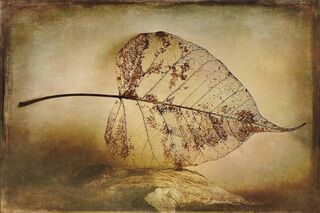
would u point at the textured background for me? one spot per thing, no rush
(62, 50)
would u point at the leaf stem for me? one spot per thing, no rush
(35, 100)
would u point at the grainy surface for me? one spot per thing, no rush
(61, 46)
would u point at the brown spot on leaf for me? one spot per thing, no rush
(183, 47)
(166, 129)
(247, 130)
(225, 109)
(130, 63)
(151, 121)
(179, 74)
(165, 42)
(118, 138)
(151, 98)
(155, 68)
(218, 127)
(245, 116)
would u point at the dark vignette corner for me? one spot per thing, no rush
(316, 102)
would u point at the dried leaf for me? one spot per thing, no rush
(179, 106)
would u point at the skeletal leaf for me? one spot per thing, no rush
(180, 105)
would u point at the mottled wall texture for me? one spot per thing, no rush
(56, 50)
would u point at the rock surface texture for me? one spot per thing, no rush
(165, 190)
(101, 188)
(178, 189)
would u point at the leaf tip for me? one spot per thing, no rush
(294, 128)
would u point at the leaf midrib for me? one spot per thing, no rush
(26, 103)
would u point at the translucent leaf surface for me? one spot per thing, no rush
(181, 106)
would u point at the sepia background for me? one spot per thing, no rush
(72, 49)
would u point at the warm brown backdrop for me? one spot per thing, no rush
(73, 50)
